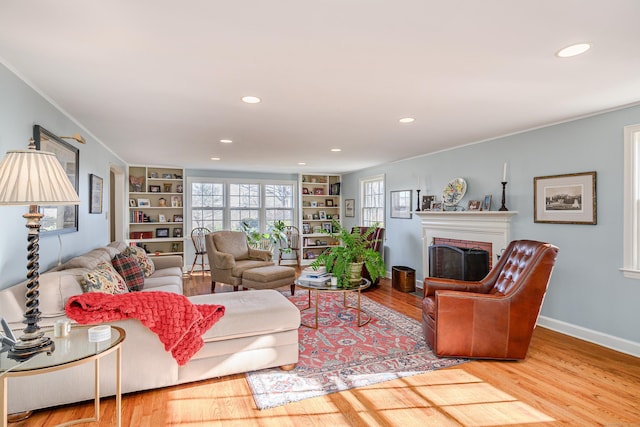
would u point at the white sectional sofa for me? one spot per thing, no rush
(258, 330)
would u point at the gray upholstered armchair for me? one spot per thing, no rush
(230, 255)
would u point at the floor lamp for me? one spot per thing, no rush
(32, 178)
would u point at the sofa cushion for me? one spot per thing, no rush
(250, 313)
(130, 271)
(142, 258)
(89, 260)
(154, 282)
(103, 278)
(56, 288)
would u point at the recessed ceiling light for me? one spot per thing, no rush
(573, 50)
(336, 149)
(226, 141)
(215, 158)
(407, 120)
(302, 164)
(251, 99)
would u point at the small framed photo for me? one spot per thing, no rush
(305, 190)
(474, 205)
(426, 202)
(306, 228)
(154, 188)
(95, 195)
(326, 226)
(328, 203)
(322, 214)
(162, 232)
(486, 203)
(436, 206)
(162, 218)
(314, 204)
(177, 218)
(565, 199)
(179, 188)
(400, 204)
(144, 203)
(309, 217)
(177, 232)
(153, 175)
(167, 187)
(176, 201)
(350, 207)
(318, 191)
(316, 216)
(133, 203)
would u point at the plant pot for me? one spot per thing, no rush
(355, 273)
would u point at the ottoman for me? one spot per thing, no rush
(270, 277)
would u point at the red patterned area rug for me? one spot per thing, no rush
(339, 355)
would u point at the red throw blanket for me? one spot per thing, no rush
(178, 323)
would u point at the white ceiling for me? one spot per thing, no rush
(160, 82)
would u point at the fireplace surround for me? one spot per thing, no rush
(492, 227)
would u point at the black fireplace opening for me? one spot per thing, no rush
(452, 262)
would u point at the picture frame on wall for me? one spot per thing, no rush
(154, 188)
(95, 194)
(350, 207)
(400, 204)
(565, 199)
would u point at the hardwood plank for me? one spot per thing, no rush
(563, 381)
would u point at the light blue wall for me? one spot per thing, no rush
(587, 289)
(20, 108)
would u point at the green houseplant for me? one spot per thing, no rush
(268, 240)
(345, 261)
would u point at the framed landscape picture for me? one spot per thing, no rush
(400, 204)
(565, 199)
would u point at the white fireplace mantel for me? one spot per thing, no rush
(482, 226)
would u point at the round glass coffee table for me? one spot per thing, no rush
(72, 350)
(326, 287)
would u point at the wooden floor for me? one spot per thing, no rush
(563, 381)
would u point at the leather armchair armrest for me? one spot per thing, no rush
(223, 261)
(260, 254)
(433, 284)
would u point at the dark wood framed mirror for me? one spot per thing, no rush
(59, 219)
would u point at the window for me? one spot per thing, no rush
(631, 233)
(207, 205)
(223, 204)
(372, 202)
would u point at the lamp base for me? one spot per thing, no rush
(25, 349)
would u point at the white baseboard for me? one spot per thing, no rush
(618, 344)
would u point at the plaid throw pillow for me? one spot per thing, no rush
(141, 258)
(103, 278)
(130, 271)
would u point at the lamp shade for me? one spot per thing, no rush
(30, 177)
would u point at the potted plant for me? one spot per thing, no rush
(345, 261)
(267, 240)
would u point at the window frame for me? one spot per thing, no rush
(631, 195)
(226, 209)
(363, 196)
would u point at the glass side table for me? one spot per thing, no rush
(72, 350)
(326, 287)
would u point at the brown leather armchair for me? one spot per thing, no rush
(377, 244)
(230, 255)
(492, 318)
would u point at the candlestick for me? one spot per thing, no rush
(504, 173)
(418, 204)
(504, 188)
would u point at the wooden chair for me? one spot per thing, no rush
(292, 243)
(197, 237)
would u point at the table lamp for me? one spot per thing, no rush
(32, 178)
